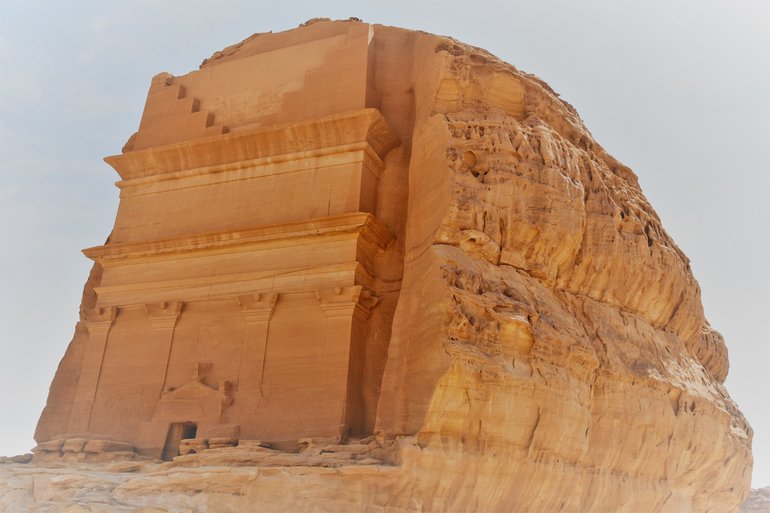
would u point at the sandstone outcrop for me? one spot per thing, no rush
(358, 268)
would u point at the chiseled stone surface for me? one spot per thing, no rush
(502, 321)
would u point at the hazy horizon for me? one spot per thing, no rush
(680, 92)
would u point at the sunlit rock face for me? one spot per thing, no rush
(360, 268)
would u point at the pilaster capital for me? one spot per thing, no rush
(100, 317)
(347, 301)
(163, 314)
(257, 307)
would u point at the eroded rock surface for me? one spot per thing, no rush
(526, 337)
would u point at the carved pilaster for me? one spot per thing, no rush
(346, 309)
(257, 307)
(257, 310)
(347, 301)
(100, 318)
(98, 322)
(163, 317)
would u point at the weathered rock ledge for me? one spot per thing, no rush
(230, 477)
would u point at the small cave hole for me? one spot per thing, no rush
(648, 233)
(469, 159)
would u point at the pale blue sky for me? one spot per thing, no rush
(679, 90)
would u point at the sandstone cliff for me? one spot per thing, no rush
(541, 345)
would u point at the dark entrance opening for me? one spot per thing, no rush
(177, 432)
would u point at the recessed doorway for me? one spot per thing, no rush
(177, 431)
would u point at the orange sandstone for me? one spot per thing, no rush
(388, 253)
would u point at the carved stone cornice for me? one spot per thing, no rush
(163, 314)
(373, 231)
(366, 128)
